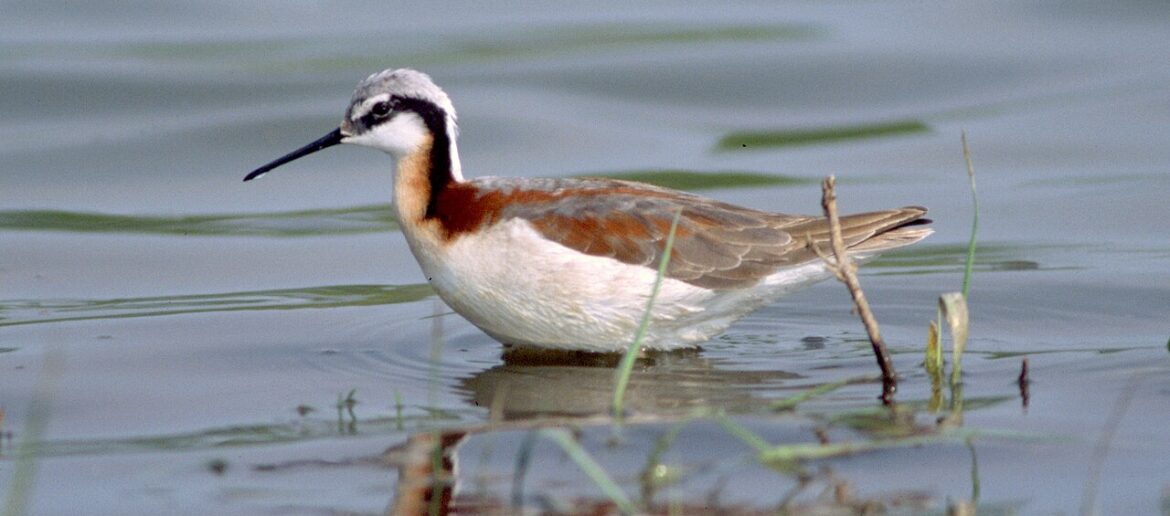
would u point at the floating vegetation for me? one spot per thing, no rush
(348, 54)
(755, 140)
(358, 219)
(584, 38)
(17, 312)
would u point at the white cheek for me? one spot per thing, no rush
(401, 136)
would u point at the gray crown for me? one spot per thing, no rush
(403, 82)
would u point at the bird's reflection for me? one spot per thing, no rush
(541, 384)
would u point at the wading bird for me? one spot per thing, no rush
(569, 263)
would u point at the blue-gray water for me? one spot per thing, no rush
(190, 328)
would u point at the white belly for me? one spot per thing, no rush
(524, 290)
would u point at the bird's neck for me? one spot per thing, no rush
(423, 174)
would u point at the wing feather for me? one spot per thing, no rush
(717, 245)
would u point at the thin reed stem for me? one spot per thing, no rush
(626, 366)
(974, 218)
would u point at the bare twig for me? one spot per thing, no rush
(846, 271)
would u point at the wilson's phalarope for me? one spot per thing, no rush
(569, 263)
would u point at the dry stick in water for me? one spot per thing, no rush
(846, 271)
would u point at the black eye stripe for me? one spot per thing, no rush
(433, 116)
(381, 108)
(380, 112)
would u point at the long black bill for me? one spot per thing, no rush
(326, 141)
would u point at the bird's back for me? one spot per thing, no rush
(717, 245)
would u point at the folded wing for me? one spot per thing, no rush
(717, 245)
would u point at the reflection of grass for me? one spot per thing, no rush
(784, 138)
(950, 258)
(873, 430)
(996, 355)
(37, 312)
(23, 479)
(300, 430)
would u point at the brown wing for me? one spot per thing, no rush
(717, 245)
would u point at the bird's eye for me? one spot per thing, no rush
(380, 109)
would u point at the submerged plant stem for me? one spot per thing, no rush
(749, 437)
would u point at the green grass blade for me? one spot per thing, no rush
(591, 468)
(626, 366)
(751, 140)
(974, 218)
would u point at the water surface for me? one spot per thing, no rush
(187, 341)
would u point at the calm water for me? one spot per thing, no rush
(158, 317)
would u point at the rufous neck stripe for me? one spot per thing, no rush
(440, 174)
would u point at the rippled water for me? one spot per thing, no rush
(180, 341)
